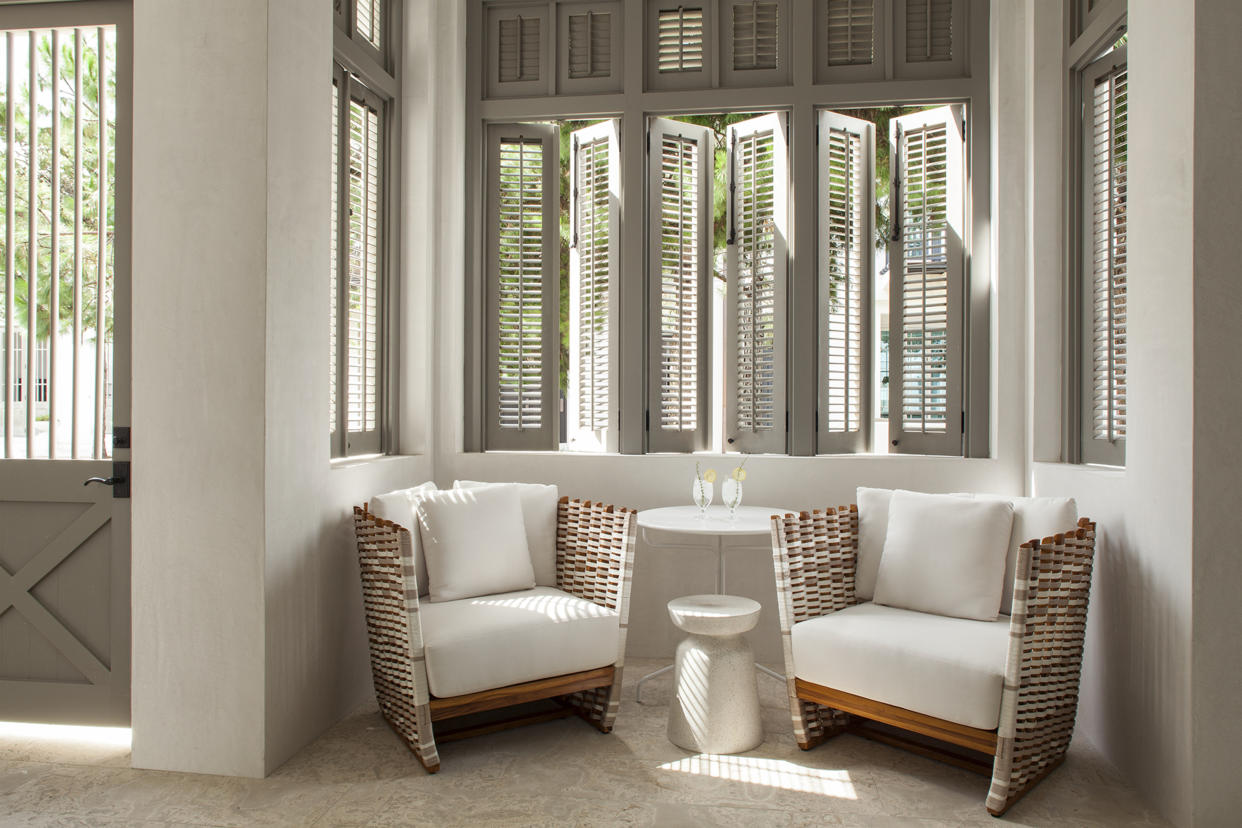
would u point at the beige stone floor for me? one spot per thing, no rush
(558, 773)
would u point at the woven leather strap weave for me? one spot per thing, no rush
(1047, 629)
(814, 555)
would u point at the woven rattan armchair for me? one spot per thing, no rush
(814, 557)
(594, 562)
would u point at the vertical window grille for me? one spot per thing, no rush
(56, 326)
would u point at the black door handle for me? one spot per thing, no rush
(119, 481)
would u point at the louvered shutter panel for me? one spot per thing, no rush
(680, 44)
(518, 47)
(849, 32)
(369, 22)
(846, 219)
(679, 53)
(1106, 101)
(929, 30)
(334, 267)
(930, 38)
(590, 45)
(592, 417)
(757, 262)
(679, 193)
(362, 289)
(927, 282)
(755, 35)
(523, 265)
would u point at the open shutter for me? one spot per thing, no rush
(1106, 98)
(926, 414)
(757, 264)
(594, 207)
(679, 193)
(846, 218)
(523, 265)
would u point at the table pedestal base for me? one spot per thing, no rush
(715, 704)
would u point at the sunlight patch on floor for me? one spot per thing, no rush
(65, 734)
(773, 773)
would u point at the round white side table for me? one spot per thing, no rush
(715, 704)
(686, 527)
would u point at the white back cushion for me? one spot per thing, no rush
(398, 507)
(474, 543)
(944, 555)
(872, 529)
(1034, 518)
(539, 516)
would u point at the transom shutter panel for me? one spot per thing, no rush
(520, 46)
(594, 210)
(849, 36)
(757, 266)
(1106, 131)
(926, 414)
(929, 30)
(756, 35)
(590, 45)
(518, 49)
(846, 218)
(680, 39)
(363, 264)
(523, 275)
(679, 193)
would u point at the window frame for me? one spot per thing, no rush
(371, 77)
(800, 100)
(1103, 28)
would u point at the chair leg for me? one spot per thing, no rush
(996, 807)
(414, 728)
(815, 724)
(598, 706)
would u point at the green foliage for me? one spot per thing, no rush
(21, 212)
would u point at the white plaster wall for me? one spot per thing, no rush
(1136, 695)
(200, 152)
(249, 637)
(317, 663)
(1216, 653)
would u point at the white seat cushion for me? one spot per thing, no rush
(950, 668)
(496, 640)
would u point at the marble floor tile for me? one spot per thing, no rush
(359, 773)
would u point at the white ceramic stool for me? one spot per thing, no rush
(715, 706)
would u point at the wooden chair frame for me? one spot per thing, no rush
(815, 554)
(594, 561)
